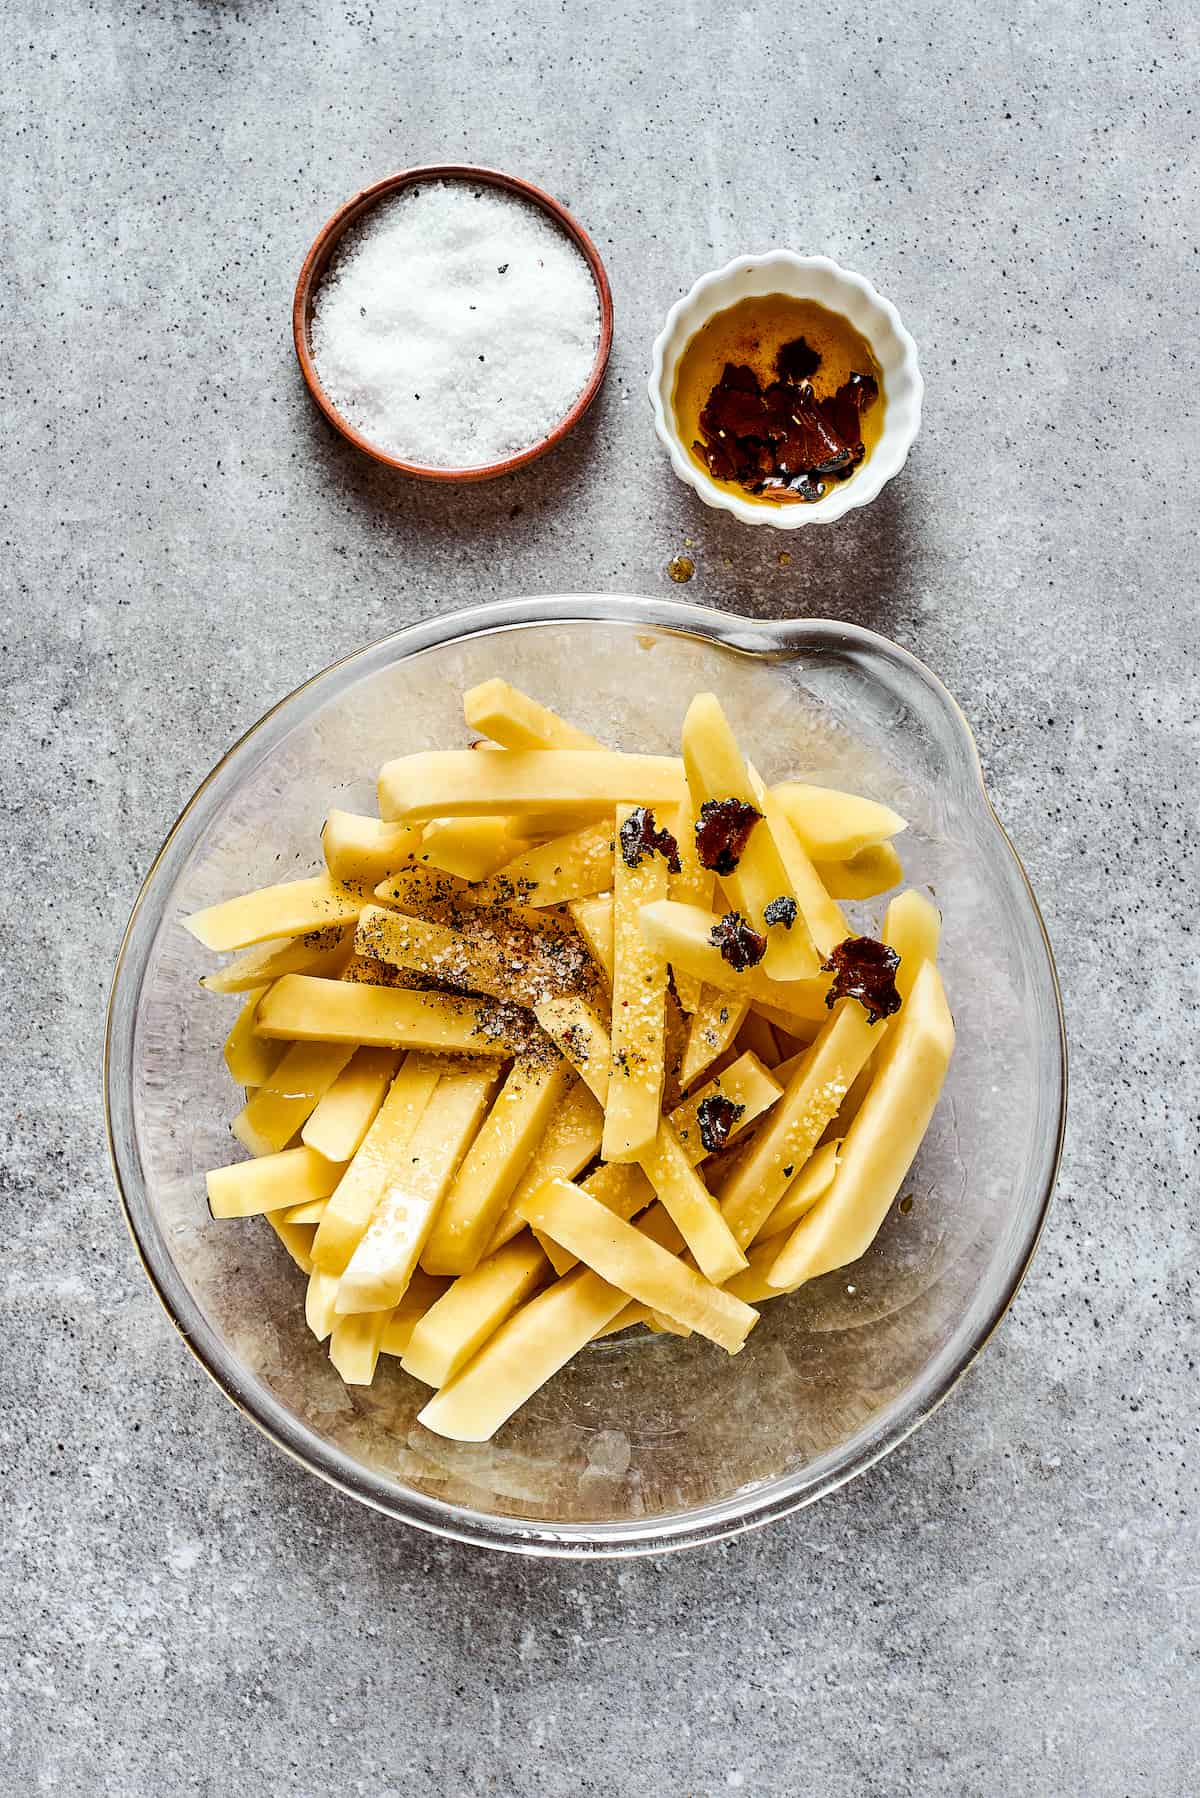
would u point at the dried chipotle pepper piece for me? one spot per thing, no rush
(864, 969)
(740, 944)
(722, 832)
(640, 837)
(781, 911)
(716, 1117)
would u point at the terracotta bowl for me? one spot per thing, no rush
(318, 260)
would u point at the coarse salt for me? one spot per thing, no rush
(456, 326)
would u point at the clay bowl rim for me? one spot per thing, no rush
(321, 254)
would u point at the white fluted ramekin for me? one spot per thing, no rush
(839, 289)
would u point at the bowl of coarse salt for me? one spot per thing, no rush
(453, 322)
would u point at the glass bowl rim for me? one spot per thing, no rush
(777, 640)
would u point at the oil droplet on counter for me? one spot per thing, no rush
(681, 568)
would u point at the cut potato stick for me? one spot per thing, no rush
(291, 909)
(870, 872)
(454, 783)
(381, 1160)
(319, 952)
(810, 1100)
(297, 1239)
(526, 1351)
(641, 1314)
(713, 1026)
(567, 867)
(272, 1183)
(752, 1285)
(629, 1259)
(425, 893)
(274, 1113)
(912, 927)
(572, 1025)
(332, 1011)
(881, 1143)
(387, 1254)
(717, 771)
(693, 885)
(639, 990)
(310, 1212)
(747, 1084)
(683, 934)
(571, 1141)
(472, 1309)
(366, 849)
(692, 1208)
(593, 919)
(250, 1058)
(422, 1291)
(354, 1344)
(758, 1038)
(835, 826)
(499, 1155)
(319, 1300)
(810, 1184)
(471, 848)
(347, 1111)
(621, 1187)
(826, 925)
(473, 963)
(509, 717)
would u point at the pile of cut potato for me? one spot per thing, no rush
(554, 1047)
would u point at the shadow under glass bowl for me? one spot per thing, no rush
(644, 1443)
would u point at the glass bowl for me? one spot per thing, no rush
(644, 1443)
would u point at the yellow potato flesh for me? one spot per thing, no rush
(826, 924)
(834, 826)
(319, 1302)
(297, 1239)
(354, 1344)
(568, 867)
(344, 1115)
(593, 919)
(881, 1143)
(305, 1009)
(386, 1257)
(499, 1155)
(422, 1291)
(511, 718)
(250, 1058)
(291, 909)
(627, 1258)
(692, 885)
(572, 1139)
(871, 872)
(455, 783)
(425, 893)
(746, 1083)
(639, 990)
(322, 952)
(366, 849)
(272, 1183)
(471, 848)
(274, 1113)
(472, 1309)
(621, 1187)
(683, 934)
(692, 1207)
(810, 1184)
(573, 1026)
(379, 1161)
(711, 1029)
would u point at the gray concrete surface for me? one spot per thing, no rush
(1009, 1605)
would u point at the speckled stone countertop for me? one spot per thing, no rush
(1009, 1604)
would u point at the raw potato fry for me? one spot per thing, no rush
(332, 1011)
(473, 963)
(593, 919)
(320, 952)
(311, 1212)
(319, 1300)
(423, 1290)
(834, 826)
(683, 934)
(810, 1100)
(912, 927)
(810, 1184)
(347, 1111)
(881, 1143)
(274, 1113)
(692, 1208)
(365, 849)
(712, 1029)
(573, 1026)
(752, 1284)
(716, 771)
(621, 1187)
(525, 1352)
(639, 991)
(471, 848)
(826, 925)
(693, 885)
(354, 1344)
(747, 1083)
(381, 1159)
(250, 1058)
(509, 717)
(567, 867)
(425, 893)
(272, 1183)
(570, 1142)
(757, 1038)
(870, 872)
(499, 1155)
(454, 783)
(628, 1258)
(472, 1309)
(297, 1239)
(291, 909)
(385, 1259)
